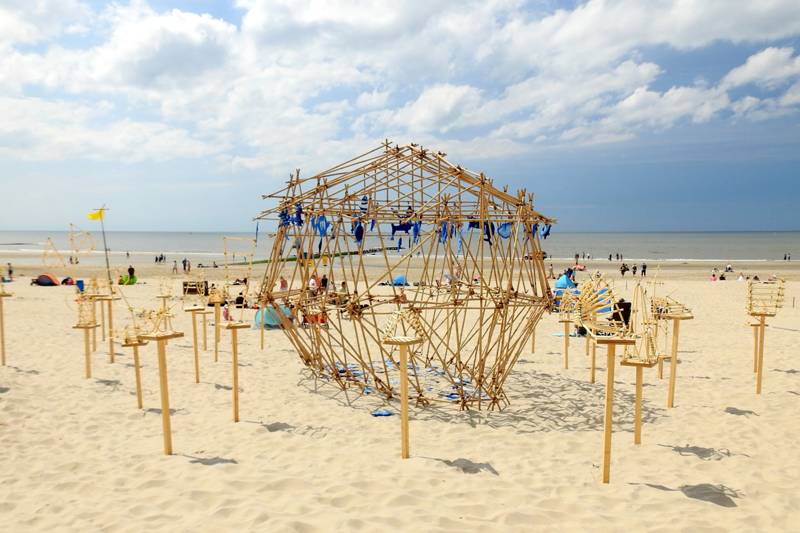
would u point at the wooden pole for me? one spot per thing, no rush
(404, 440)
(216, 331)
(196, 350)
(205, 330)
(594, 362)
(2, 335)
(609, 411)
(110, 330)
(760, 370)
(102, 322)
(660, 368)
(94, 330)
(637, 427)
(566, 342)
(673, 363)
(587, 344)
(263, 321)
(138, 375)
(755, 346)
(162, 377)
(235, 363)
(87, 354)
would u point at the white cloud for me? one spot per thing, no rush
(769, 68)
(299, 80)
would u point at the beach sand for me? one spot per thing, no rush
(78, 455)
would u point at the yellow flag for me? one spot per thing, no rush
(95, 215)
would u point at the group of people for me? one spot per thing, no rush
(787, 256)
(624, 268)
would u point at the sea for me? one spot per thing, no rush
(49, 247)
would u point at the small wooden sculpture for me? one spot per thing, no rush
(86, 321)
(667, 309)
(411, 333)
(234, 327)
(132, 339)
(764, 299)
(161, 331)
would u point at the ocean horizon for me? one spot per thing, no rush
(206, 246)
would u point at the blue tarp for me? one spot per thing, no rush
(564, 282)
(271, 317)
(400, 280)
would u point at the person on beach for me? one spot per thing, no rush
(131, 271)
(10, 272)
(174, 267)
(127, 255)
(550, 273)
(609, 257)
(633, 269)
(284, 284)
(644, 269)
(323, 283)
(312, 284)
(188, 266)
(713, 277)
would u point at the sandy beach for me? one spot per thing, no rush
(79, 455)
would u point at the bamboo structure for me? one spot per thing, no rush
(109, 300)
(478, 287)
(764, 299)
(194, 310)
(216, 298)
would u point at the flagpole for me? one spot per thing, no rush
(105, 246)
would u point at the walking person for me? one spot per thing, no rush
(174, 267)
(644, 269)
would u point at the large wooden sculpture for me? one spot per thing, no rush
(764, 299)
(400, 228)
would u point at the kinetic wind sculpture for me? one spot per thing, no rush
(667, 311)
(350, 239)
(764, 299)
(86, 321)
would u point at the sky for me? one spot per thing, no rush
(620, 115)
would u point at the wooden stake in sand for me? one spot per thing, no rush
(204, 313)
(194, 310)
(756, 326)
(161, 339)
(764, 299)
(216, 298)
(133, 340)
(234, 327)
(665, 309)
(673, 363)
(639, 365)
(567, 324)
(3, 295)
(611, 343)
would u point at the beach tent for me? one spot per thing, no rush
(564, 282)
(400, 280)
(271, 318)
(46, 280)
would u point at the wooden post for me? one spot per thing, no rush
(204, 313)
(611, 343)
(403, 343)
(673, 363)
(110, 330)
(235, 327)
(533, 341)
(661, 367)
(94, 331)
(637, 425)
(194, 310)
(102, 321)
(3, 295)
(87, 353)
(566, 341)
(404, 441)
(594, 362)
(161, 342)
(755, 326)
(263, 321)
(760, 371)
(136, 366)
(216, 331)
